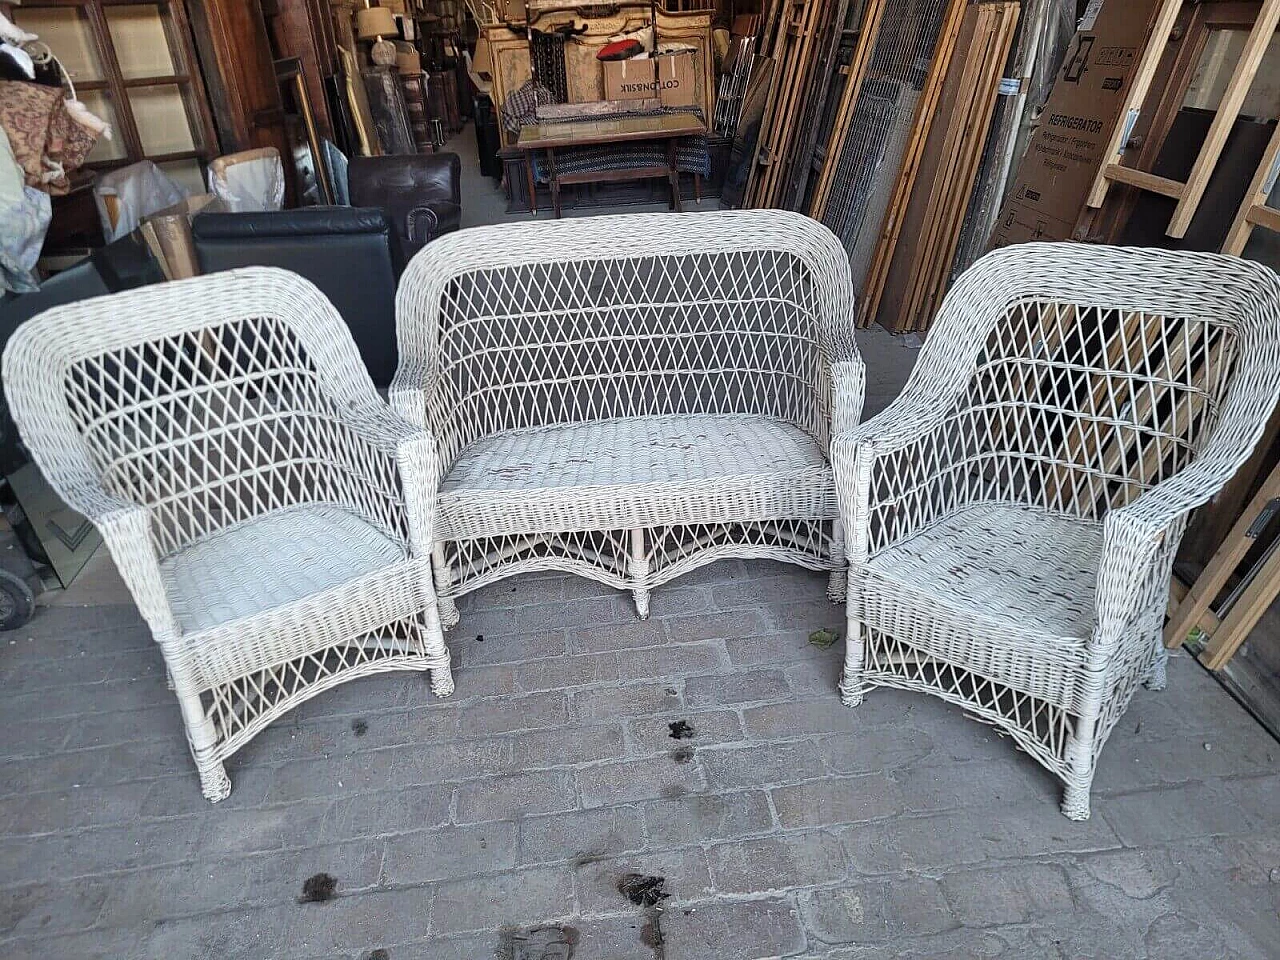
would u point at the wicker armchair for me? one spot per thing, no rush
(627, 398)
(1012, 517)
(269, 514)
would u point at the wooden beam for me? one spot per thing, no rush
(1255, 47)
(1265, 217)
(1244, 614)
(1223, 564)
(1138, 87)
(1144, 181)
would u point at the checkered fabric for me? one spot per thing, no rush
(692, 153)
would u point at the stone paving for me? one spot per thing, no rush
(508, 821)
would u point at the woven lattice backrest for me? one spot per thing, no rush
(1105, 371)
(208, 401)
(607, 317)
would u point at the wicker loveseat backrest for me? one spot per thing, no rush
(1098, 372)
(207, 401)
(606, 317)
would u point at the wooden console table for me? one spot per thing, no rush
(594, 133)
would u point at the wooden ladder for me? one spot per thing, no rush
(1254, 211)
(1189, 194)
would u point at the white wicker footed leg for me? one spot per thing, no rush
(1157, 677)
(1078, 776)
(202, 737)
(638, 571)
(437, 653)
(837, 587)
(448, 610)
(852, 686)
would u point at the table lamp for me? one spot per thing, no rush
(374, 23)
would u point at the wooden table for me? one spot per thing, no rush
(669, 127)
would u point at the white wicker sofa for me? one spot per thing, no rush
(627, 398)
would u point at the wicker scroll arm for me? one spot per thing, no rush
(394, 464)
(126, 530)
(1140, 534)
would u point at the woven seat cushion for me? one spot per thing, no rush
(271, 561)
(1003, 589)
(635, 472)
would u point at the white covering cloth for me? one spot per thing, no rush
(248, 181)
(139, 189)
(25, 213)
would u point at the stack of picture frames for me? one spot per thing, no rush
(911, 269)
(801, 37)
(887, 111)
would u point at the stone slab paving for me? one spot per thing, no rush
(782, 823)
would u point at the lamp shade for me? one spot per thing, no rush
(375, 22)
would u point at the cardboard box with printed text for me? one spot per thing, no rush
(1047, 194)
(673, 75)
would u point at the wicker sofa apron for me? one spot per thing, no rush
(628, 398)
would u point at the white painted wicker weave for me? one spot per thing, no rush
(1013, 515)
(629, 397)
(269, 514)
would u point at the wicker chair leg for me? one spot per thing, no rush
(203, 739)
(1079, 776)
(437, 653)
(852, 687)
(638, 570)
(1075, 802)
(214, 782)
(838, 584)
(1157, 678)
(448, 611)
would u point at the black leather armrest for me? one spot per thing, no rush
(401, 184)
(429, 220)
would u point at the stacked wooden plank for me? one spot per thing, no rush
(911, 269)
(798, 37)
(890, 97)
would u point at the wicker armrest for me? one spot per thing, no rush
(1135, 535)
(848, 389)
(398, 462)
(126, 529)
(893, 473)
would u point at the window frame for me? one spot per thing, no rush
(117, 87)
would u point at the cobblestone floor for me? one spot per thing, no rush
(783, 825)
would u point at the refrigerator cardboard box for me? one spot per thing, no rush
(1047, 194)
(676, 80)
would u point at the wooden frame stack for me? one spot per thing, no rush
(795, 50)
(939, 171)
(872, 18)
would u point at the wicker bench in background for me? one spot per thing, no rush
(628, 398)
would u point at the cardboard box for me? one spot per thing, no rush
(168, 235)
(1047, 195)
(676, 82)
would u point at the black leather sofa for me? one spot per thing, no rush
(421, 195)
(350, 253)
